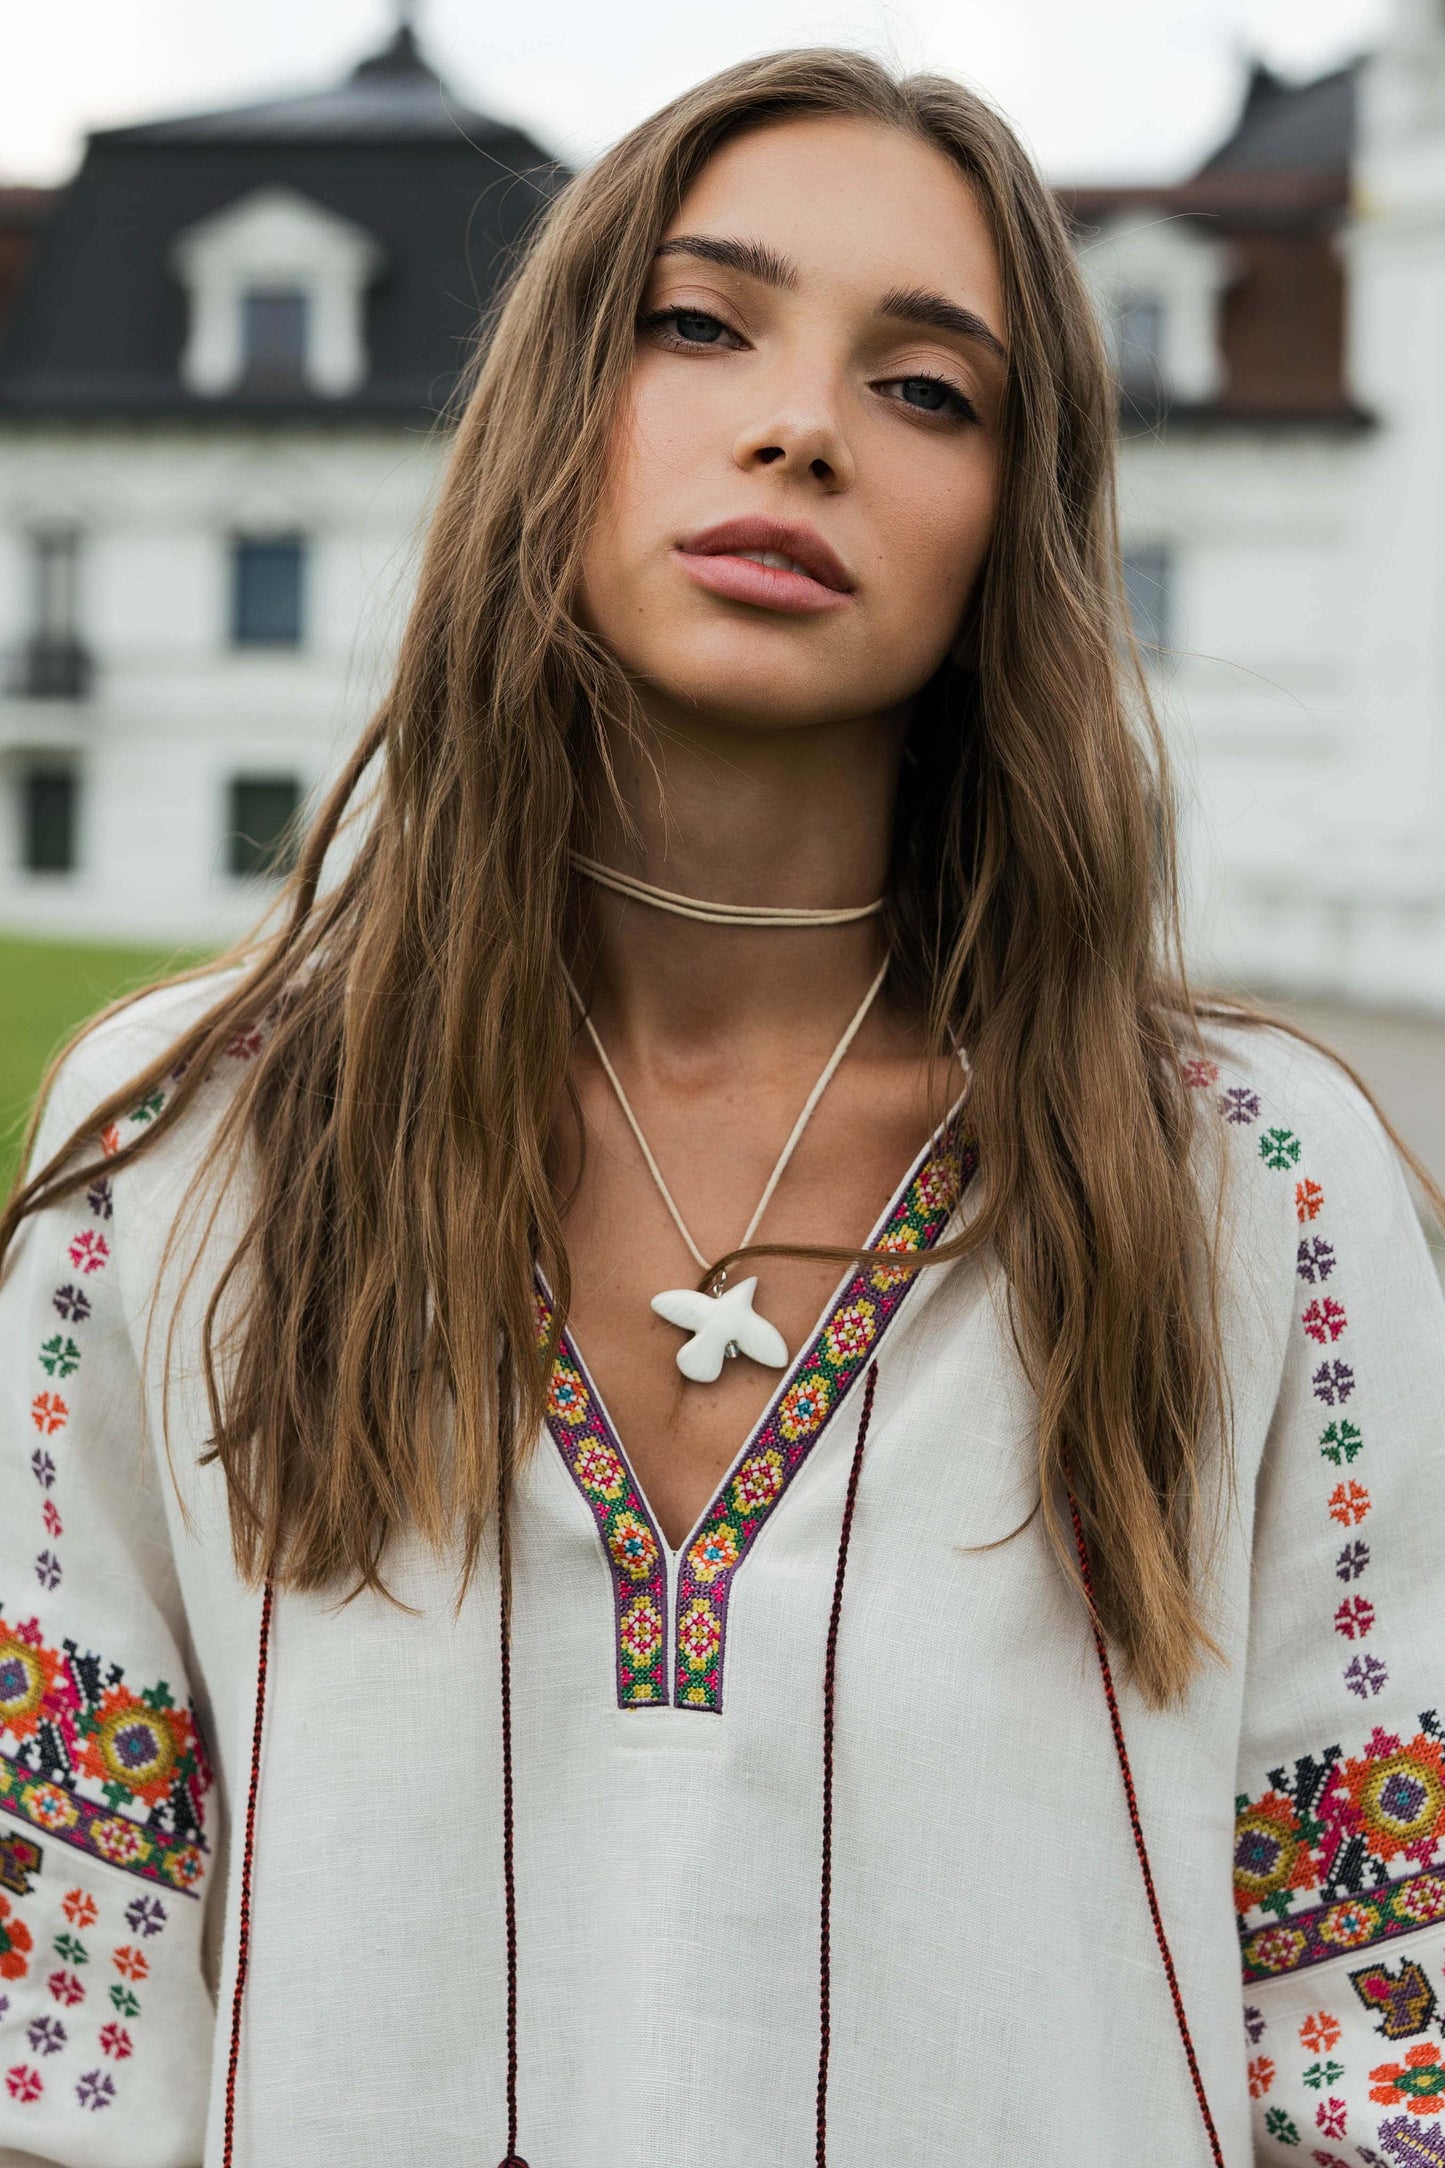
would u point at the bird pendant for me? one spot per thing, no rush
(721, 1326)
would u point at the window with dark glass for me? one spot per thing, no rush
(53, 664)
(1149, 588)
(1139, 341)
(266, 591)
(273, 338)
(261, 817)
(47, 820)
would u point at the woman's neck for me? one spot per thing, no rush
(799, 817)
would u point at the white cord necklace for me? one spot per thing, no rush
(718, 914)
(724, 1325)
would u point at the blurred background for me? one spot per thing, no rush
(242, 249)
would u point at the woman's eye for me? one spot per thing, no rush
(687, 327)
(932, 395)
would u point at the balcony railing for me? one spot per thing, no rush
(50, 668)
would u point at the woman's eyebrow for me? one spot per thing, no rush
(754, 258)
(907, 304)
(915, 305)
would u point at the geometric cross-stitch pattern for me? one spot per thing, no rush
(120, 1775)
(593, 1457)
(1400, 1997)
(1329, 1857)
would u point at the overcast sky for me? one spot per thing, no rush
(1099, 87)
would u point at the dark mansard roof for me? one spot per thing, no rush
(99, 319)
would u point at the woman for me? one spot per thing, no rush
(399, 1770)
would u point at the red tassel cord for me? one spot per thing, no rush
(248, 1855)
(1121, 1752)
(830, 1680)
(509, 1880)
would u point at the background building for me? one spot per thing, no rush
(1279, 324)
(223, 352)
(224, 347)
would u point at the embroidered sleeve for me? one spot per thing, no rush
(106, 1793)
(1340, 1839)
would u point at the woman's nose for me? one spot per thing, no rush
(804, 444)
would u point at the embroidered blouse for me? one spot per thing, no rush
(996, 1988)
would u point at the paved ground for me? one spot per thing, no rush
(1402, 1059)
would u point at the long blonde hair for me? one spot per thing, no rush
(398, 1114)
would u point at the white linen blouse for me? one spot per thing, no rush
(997, 1992)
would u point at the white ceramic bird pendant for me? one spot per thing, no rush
(721, 1325)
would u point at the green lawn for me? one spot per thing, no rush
(46, 989)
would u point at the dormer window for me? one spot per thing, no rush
(1138, 339)
(1157, 284)
(273, 338)
(277, 289)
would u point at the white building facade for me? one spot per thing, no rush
(221, 391)
(1293, 534)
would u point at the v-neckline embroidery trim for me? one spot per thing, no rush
(812, 1389)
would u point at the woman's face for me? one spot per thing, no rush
(819, 369)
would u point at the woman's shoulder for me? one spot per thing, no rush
(1304, 1139)
(122, 1046)
(1278, 1090)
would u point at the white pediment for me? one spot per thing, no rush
(1156, 256)
(276, 238)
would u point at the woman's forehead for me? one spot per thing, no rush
(839, 195)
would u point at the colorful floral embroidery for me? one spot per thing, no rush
(806, 1401)
(1315, 1260)
(567, 1395)
(1324, 1321)
(80, 1908)
(1419, 2081)
(117, 1774)
(23, 2084)
(715, 1551)
(47, 2036)
(633, 1546)
(16, 1943)
(600, 1470)
(1355, 1617)
(640, 1634)
(1348, 1504)
(804, 1408)
(1340, 1442)
(1330, 2115)
(1413, 2145)
(1346, 1832)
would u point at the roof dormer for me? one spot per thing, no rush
(1157, 281)
(277, 290)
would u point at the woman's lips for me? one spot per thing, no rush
(767, 587)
